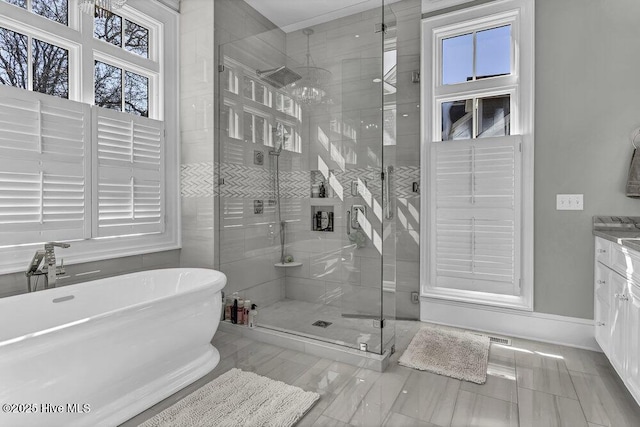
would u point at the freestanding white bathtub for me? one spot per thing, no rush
(100, 352)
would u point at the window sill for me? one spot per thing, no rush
(16, 259)
(512, 302)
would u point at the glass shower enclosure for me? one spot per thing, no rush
(304, 174)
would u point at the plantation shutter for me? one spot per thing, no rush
(476, 215)
(44, 194)
(129, 184)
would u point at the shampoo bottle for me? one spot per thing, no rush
(234, 311)
(228, 306)
(253, 314)
(223, 305)
(240, 314)
(247, 310)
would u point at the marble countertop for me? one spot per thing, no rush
(622, 230)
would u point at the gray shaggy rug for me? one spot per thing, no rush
(454, 353)
(238, 398)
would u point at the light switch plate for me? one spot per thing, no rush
(570, 202)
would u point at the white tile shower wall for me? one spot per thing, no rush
(407, 152)
(197, 67)
(249, 240)
(333, 45)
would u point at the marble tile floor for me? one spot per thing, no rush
(297, 317)
(528, 384)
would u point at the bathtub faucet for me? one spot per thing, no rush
(52, 270)
(48, 268)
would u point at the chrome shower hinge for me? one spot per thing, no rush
(380, 28)
(221, 68)
(379, 323)
(415, 297)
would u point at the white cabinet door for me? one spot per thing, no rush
(602, 304)
(633, 340)
(618, 320)
(602, 324)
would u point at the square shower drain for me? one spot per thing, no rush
(321, 323)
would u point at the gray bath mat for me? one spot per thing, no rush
(457, 354)
(238, 398)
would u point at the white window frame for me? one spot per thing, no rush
(32, 25)
(162, 69)
(520, 85)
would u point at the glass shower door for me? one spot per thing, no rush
(306, 180)
(368, 115)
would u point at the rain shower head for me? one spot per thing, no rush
(279, 77)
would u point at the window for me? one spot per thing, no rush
(479, 155)
(130, 36)
(49, 64)
(88, 130)
(120, 83)
(121, 90)
(14, 49)
(477, 55)
(480, 117)
(55, 10)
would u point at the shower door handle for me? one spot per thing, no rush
(348, 223)
(387, 191)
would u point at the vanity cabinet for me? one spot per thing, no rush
(617, 309)
(633, 345)
(618, 324)
(602, 305)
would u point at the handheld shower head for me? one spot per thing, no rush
(278, 139)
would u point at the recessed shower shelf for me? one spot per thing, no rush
(287, 264)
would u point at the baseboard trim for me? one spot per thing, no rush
(569, 331)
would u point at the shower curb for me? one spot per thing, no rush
(350, 356)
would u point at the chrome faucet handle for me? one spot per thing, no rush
(50, 245)
(50, 252)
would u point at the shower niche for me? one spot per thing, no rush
(320, 187)
(322, 202)
(322, 218)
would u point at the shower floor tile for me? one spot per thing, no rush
(298, 317)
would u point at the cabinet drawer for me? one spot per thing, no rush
(603, 251)
(626, 262)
